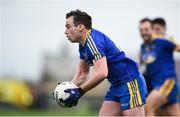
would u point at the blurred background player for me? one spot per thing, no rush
(159, 29)
(142, 64)
(127, 94)
(157, 55)
(16, 93)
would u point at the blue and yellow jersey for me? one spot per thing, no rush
(158, 57)
(166, 37)
(98, 45)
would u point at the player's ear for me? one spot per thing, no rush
(81, 27)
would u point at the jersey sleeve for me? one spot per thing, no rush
(80, 53)
(172, 39)
(96, 48)
(167, 44)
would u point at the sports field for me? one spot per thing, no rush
(83, 111)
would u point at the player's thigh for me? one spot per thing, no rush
(110, 108)
(172, 106)
(172, 109)
(133, 103)
(138, 111)
(155, 99)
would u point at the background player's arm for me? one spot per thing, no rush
(172, 44)
(140, 62)
(140, 59)
(171, 39)
(177, 48)
(99, 74)
(81, 73)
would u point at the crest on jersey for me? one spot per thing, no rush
(149, 55)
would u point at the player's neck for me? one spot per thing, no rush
(84, 36)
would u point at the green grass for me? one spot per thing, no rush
(83, 111)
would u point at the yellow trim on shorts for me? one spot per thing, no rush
(134, 93)
(138, 93)
(135, 97)
(131, 95)
(167, 87)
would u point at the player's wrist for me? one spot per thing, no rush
(81, 91)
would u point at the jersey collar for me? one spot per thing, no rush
(155, 36)
(87, 34)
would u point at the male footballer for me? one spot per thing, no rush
(127, 93)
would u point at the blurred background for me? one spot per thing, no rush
(35, 54)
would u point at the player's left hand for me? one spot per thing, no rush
(75, 95)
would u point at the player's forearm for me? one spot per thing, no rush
(79, 78)
(81, 73)
(96, 79)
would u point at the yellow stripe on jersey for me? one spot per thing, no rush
(135, 97)
(90, 48)
(94, 44)
(87, 34)
(91, 40)
(94, 53)
(93, 48)
(167, 87)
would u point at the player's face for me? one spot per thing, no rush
(146, 31)
(72, 32)
(158, 29)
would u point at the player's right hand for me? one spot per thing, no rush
(75, 95)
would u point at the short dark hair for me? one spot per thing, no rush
(145, 20)
(80, 17)
(159, 21)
